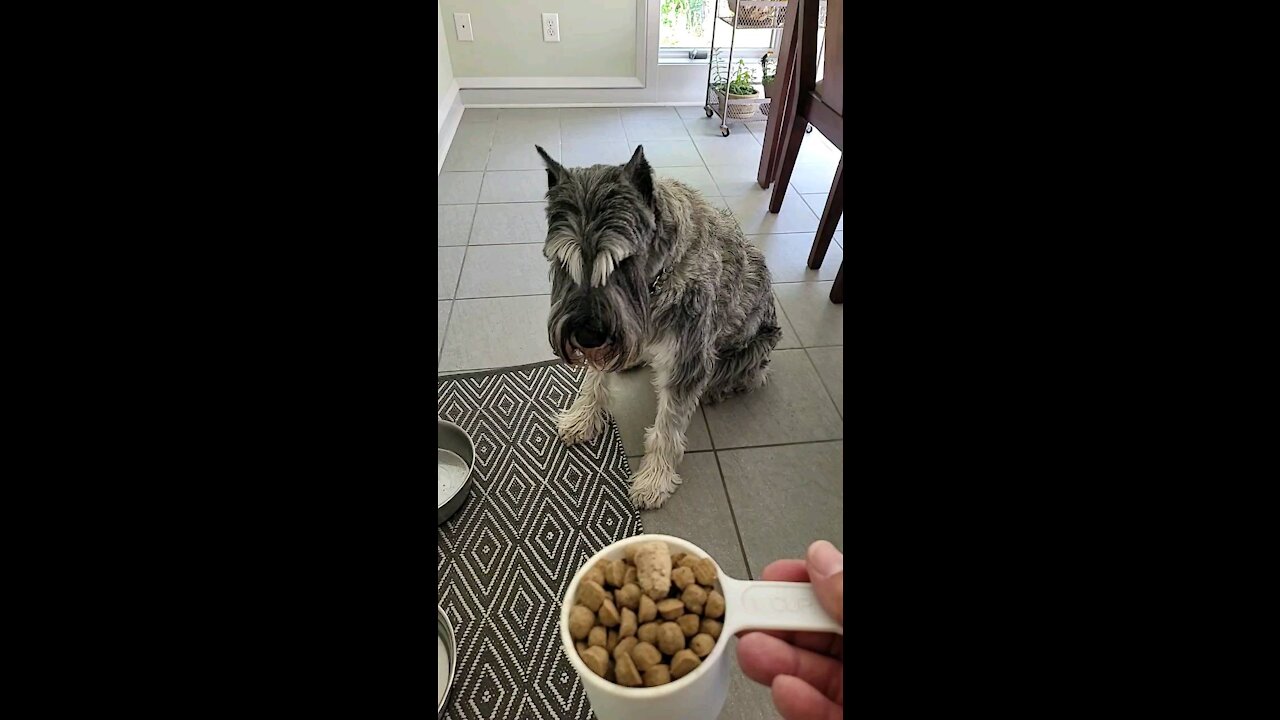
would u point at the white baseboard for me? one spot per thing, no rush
(667, 85)
(446, 104)
(450, 114)
(547, 83)
(585, 105)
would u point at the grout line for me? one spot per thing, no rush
(785, 444)
(461, 267)
(502, 297)
(447, 320)
(513, 202)
(707, 423)
(823, 383)
(717, 450)
(733, 516)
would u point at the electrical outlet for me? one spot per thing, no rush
(462, 23)
(551, 27)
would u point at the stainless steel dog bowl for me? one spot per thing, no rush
(455, 455)
(446, 660)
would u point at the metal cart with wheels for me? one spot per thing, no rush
(740, 15)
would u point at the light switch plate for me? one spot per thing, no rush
(551, 27)
(462, 23)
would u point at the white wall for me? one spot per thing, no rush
(597, 38)
(444, 68)
(448, 99)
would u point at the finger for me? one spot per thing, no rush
(786, 571)
(826, 572)
(797, 700)
(764, 657)
(819, 642)
(797, 571)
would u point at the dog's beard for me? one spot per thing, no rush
(629, 324)
(606, 358)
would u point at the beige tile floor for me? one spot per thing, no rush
(763, 475)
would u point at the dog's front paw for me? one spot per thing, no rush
(651, 487)
(580, 424)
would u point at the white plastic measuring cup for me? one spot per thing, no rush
(749, 605)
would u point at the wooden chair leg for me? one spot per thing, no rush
(794, 135)
(837, 288)
(830, 218)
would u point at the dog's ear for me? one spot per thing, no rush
(638, 172)
(555, 171)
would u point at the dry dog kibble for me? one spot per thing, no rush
(609, 614)
(653, 568)
(671, 608)
(657, 675)
(714, 607)
(648, 618)
(624, 646)
(648, 632)
(693, 598)
(628, 596)
(684, 663)
(645, 656)
(705, 571)
(670, 638)
(616, 572)
(628, 673)
(627, 627)
(701, 644)
(580, 621)
(689, 624)
(597, 659)
(591, 594)
(682, 577)
(598, 637)
(648, 609)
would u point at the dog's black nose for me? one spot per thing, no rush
(587, 338)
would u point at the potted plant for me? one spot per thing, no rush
(739, 87)
(768, 73)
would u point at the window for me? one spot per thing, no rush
(687, 25)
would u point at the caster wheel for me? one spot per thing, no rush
(707, 110)
(724, 132)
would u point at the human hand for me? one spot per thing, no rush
(805, 670)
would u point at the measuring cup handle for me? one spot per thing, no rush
(766, 605)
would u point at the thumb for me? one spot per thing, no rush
(826, 573)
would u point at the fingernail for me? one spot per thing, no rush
(825, 558)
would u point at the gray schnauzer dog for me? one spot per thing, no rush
(646, 271)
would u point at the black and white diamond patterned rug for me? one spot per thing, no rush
(537, 512)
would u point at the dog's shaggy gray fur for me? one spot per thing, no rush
(646, 271)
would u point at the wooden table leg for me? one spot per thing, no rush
(837, 288)
(779, 105)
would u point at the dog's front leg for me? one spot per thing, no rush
(586, 418)
(664, 445)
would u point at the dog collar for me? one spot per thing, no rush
(657, 284)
